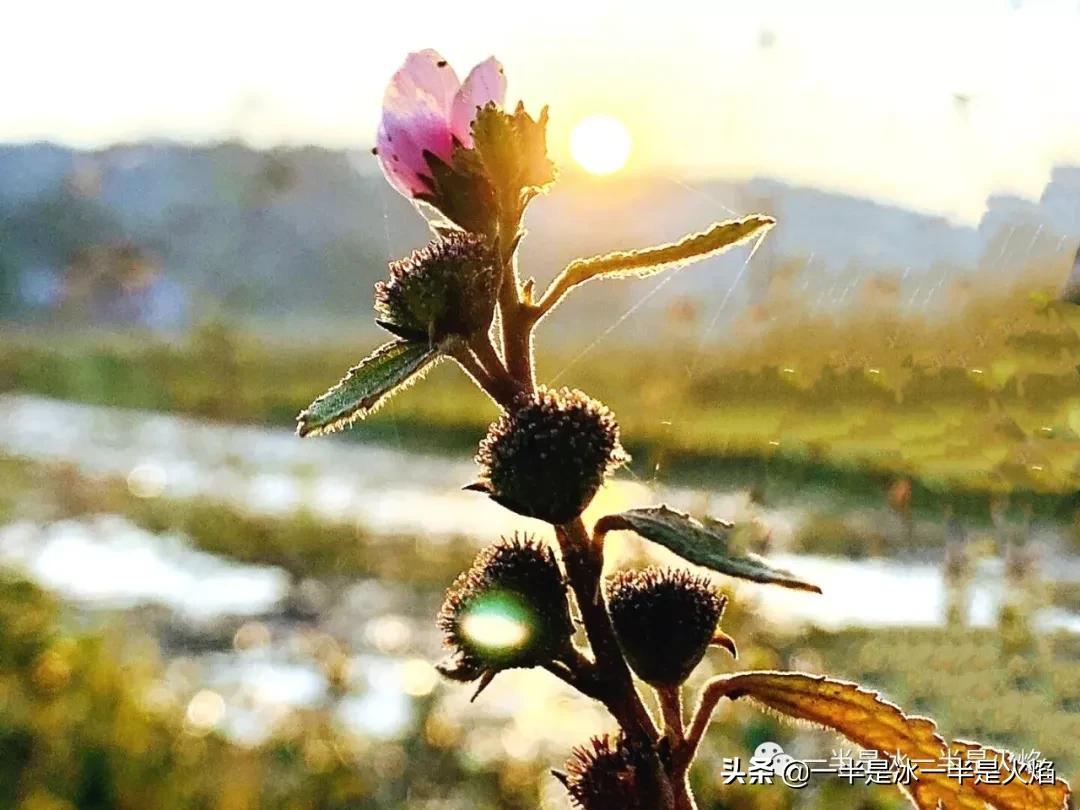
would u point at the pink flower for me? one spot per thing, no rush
(426, 108)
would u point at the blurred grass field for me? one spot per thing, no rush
(984, 403)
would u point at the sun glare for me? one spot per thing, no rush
(496, 623)
(600, 144)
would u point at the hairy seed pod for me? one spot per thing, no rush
(446, 288)
(458, 666)
(548, 455)
(665, 620)
(612, 773)
(508, 610)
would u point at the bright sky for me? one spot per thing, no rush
(931, 103)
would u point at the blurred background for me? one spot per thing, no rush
(199, 610)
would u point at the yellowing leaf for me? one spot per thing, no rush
(877, 725)
(1017, 795)
(513, 150)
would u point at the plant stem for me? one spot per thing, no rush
(578, 672)
(715, 691)
(583, 568)
(484, 350)
(608, 677)
(555, 292)
(516, 332)
(500, 389)
(671, 707)
(684, 796)
(513, 312)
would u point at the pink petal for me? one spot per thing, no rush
(485, 83)
(416, 117)
(401, 160)
(426, 79)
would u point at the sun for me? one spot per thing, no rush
(600, 144)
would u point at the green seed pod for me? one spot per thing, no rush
(446, 288)
(548, 455)
(665, 620)
(508, 610)
(612, 774)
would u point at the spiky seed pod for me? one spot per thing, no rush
(665, 620)
(508, 610)
(446, 288)
(548, 455)
(612, 774)
(458, 666)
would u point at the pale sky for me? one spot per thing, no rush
(930, 103)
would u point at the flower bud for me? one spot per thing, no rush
(665, 620)
(508, 610)
(446, 288)
(548, 455)
(612, 774)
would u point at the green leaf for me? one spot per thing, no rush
(705, 544)
(461, 191)
(366, 386)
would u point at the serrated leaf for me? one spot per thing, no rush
(460, 191)
(1017, 794)
(716, 239)
(513, 150)
(873, 723)
(366, 386)
(705, 544)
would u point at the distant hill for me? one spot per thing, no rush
(307, 231)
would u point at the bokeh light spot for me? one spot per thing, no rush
(497, 622)
(418, 677)
(204, 711)
(147, 481)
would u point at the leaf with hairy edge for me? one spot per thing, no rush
(646, 262)
(873, 723)
(366, 386)
(1016, 794)
(704, 544)
(513, 150)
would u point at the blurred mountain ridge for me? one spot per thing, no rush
(306, 231)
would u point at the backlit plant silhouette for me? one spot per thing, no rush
(473, 167)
